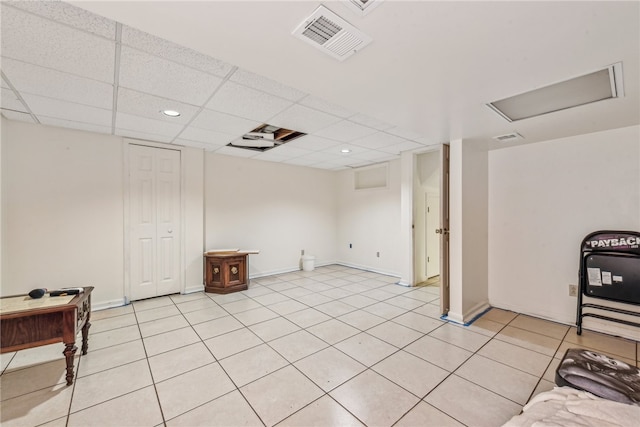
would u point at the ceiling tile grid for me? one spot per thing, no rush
(18, 116)
(11, 102)
(325, 106)
(224, 123)
(265, 84)
(246, 102)
(63, 59)
(130, 122)
(204, 136)
(43, 42)
(345, 131)
(58, 109)
(173, 52)
(72, 16)
(303, 119)
(74, 125)
(150, 106)
(157, 76)
(36, 80)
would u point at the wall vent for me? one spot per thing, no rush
(509, 137)
(333, 35)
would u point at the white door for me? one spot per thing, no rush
(154, 218)
(432, 237)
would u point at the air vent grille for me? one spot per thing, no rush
(333, 35)
(509, 137)
(321, 30)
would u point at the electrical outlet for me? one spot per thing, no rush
(573, 290)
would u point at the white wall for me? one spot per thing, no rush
(544, 199)
(193, 188)
(276, 208)
(369, 219)
(63, 210)
(468, 213)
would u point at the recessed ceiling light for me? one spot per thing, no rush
(593, 87)
(171, 113)
(345, 150)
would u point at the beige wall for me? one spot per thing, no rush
(370, 220)
(276, 208)
(543, 200)
(63, 208)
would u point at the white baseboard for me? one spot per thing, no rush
(108, 304)
(373, 270)
(193, 289)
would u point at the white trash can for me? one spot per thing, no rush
(308, 262)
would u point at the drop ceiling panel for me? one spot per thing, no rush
(143, 124)
(345, 131)
(312, 143)
(271, 156)
(245, 102)
(224, 123)
(370, 122)
(70, 15)
(300, 161)
(150, 106)
(28, 78)
(147, 73)
(208, 137)
(50, 121)
(290, 151)
(377, 140)
(404, 133)
(36, 40)
(195, 144)
(18, 116)
(375, 156)
(65, 110)
(303, 119)
(398, 148)
(236, 152)
(264, 84)
(11, 102)
(142, 135)
(325, 106)
(173, 52)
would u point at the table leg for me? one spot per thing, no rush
(69, 351)
(85, 337)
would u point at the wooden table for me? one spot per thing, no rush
(227, 270)
(30, 323)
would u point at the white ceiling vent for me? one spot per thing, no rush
(333, 35)
(362, 7)
(509, 137)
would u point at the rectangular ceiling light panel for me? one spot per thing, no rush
(333, 35)
(597, 86)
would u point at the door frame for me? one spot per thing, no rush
(443, 149)
(126, 144)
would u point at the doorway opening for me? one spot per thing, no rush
(430, 222)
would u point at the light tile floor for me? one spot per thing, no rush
(336, 346)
